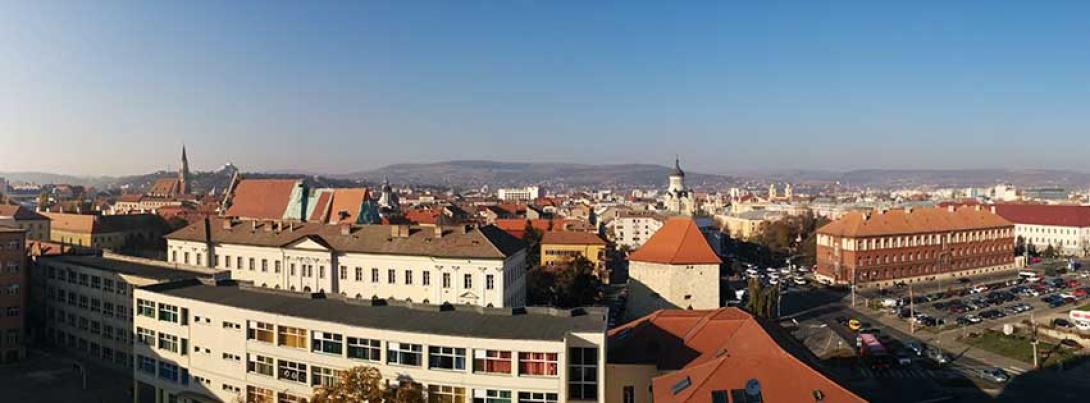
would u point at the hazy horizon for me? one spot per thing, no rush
(117, 88)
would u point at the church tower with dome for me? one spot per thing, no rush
(678, 199)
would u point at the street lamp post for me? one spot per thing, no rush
(911, 310)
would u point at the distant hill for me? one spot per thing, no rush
(474, 174)
(965, 178)
(45, 177)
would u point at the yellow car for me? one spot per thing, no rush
(854, 325)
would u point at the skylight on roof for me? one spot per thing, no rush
(681, 385)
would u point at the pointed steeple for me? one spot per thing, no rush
(183, 174)
(677, 167)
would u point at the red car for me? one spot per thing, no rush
(1072, 283)
(1082, 292)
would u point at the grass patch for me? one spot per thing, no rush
(1019, 348)
(1084, 308)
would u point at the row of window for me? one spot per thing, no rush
(95, 327)
(408, 354)
(165, 370)
(87, 280)
(74, 342)
(165, 313)
(106, 308)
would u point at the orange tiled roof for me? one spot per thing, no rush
(915, 221)
(679, 241)
(717, 350)
(349, 200)
(571, 238)
(261, 198)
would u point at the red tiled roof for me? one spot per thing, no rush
(261, 198)
(348, 200)
(164, 186)
(717, 350)
(571, 238)
(517, 226)
(20, 213)
(679, 241)
(321, 207)
(1041, 214)
(422, 216)
(916, 221)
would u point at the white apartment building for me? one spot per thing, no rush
(208, 341)
(633, 228)
(481, 266)
(528, 193)
(84, 303)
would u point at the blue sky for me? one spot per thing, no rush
(117, 87)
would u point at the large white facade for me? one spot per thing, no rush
(309, 264)
(225, 350)
(1071, 240)
(633, 229)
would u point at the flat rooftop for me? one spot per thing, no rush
(534, 323)
(147, 268)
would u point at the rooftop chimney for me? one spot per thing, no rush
(951, 208)
(438, 231)
(399, 231)
(227, 224)
(346, 229)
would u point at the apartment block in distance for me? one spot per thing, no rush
(83, 304)
(261, 345)
(36, 225)
(880, 248)
(13, 281)
(471, 265)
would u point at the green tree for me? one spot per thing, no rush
(755, 304)
(354, 385)
(533, 243)
(1019, 245)
(1050, 252)
(576, 284)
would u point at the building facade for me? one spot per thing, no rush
(36, 225)
(632, 228)
(13, 286)
(1065, 228)
(83, 304)
(235, 342)
(563, 246)
(529, 193)
(434, 265)
(675, 269)
(913, 245)
(105, 231)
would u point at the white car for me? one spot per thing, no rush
(799, 281)
(785, 270)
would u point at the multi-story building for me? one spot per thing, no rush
(881, 248)
(632, 228)
(563, 246)
(1065, 228)
(529, 193)
(36, 225)
(462, 264)
(202, 340)
(676, 268)
(105, 231)
(748, 225)
(84, 303)
(13, 285)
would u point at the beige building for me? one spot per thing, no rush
(676, 268)
(104, 231)
(84, 303)
(748, 225)
(204, 341)
(35, 225)
(482, 266)
(631, 228)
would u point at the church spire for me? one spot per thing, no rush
(677, 167)
(183, 174)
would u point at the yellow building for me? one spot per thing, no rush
(105, 231)
(563, 246)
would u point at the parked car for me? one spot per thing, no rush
(996, 375)
(1074, 345)
(937, 356)
(1062, 323)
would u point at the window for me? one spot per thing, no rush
(374, 275)
(96, 305)
(426, 280)
(404, 353)
(359, 274)
(446, 394)
(292, 337)
(145, 364)
(168, 313)
(408, 277)
(492, 361)
(391, 276)
(276, 266)
(320, 376)
(364, 349)
(251, 264)
(491, 396)
(168, 342)
(330, 343)
(83, 302)
(446, 280)
(108, 309)
(533, 397)
(583, 373)
(537, 364)
(468, 281)
(255, 394)
(489, 282)
(260, 364)
(628, 394)
(96, 282)
(292, 371)
(145, 336)
(446, 358)
(344, 273)
(261, 331)
(264, 265)
(168, 371)
(238, 262)
(227, 261)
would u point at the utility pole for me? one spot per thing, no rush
(911, 310)
(1033, 341)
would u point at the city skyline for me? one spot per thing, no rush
(118, 89)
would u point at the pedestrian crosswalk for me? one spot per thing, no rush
(896, 372)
